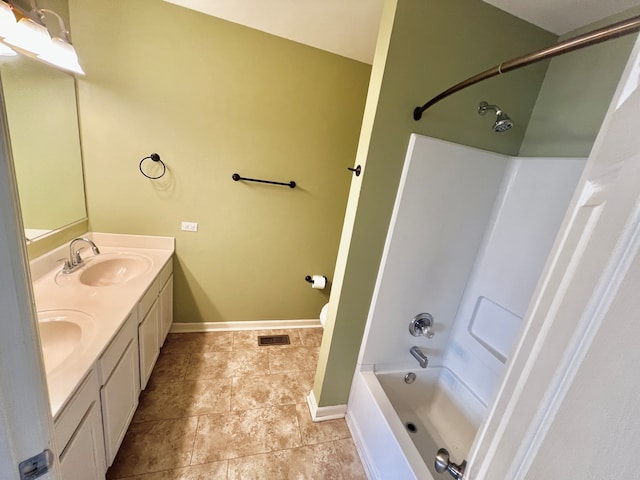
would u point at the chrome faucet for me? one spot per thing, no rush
(75, 260)
(418, 355)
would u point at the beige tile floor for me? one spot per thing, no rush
(218, 406)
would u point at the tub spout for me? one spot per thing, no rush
(418, 355)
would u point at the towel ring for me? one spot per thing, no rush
(156, 158)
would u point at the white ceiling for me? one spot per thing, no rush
(562, 16)
(349, 27)
(346, 27)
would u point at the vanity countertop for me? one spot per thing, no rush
(109, 306)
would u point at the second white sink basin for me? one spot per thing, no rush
(61, 334)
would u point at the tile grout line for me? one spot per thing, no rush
(302, 444)
(231, 394)
(186, 370)
(193, 444)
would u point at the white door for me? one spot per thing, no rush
(567, 406)
(26, 425)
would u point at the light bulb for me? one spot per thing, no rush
(30, 37)
(62, 54)
(7, 20)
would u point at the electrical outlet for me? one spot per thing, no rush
(190, 226)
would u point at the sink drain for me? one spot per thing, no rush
(411, 427)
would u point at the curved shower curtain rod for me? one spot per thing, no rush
(600, 35)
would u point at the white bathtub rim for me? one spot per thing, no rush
(408, 448)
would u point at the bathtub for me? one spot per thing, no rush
(399, 427)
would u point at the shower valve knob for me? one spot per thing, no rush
(422, 325)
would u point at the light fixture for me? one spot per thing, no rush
(31, 37)
(60, 52)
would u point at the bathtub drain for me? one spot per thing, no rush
(411, 427)
(410, 377)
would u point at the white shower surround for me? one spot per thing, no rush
(462, 223)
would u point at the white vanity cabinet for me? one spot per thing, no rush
(156, 313)
(118, 370)
(94, 392)
(79, 434)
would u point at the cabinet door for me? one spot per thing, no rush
(166, 310)
(119, 397)
(148, 342)
(84, 454)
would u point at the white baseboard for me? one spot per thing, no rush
(320, 414)
(248, 325)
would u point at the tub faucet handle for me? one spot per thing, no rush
(422, 325)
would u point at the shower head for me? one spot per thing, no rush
(502, 123)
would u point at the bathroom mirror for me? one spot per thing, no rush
(40, 102)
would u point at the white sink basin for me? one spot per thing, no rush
(61, 335)
(108, 269)
(114, 269)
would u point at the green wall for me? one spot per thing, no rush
(432, 46)
(576, 94)
(214, 98)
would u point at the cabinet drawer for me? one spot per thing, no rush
(165, 273)
(72, 414)
(109, 359)
(154, 290)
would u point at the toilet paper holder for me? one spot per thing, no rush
(310, 279)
